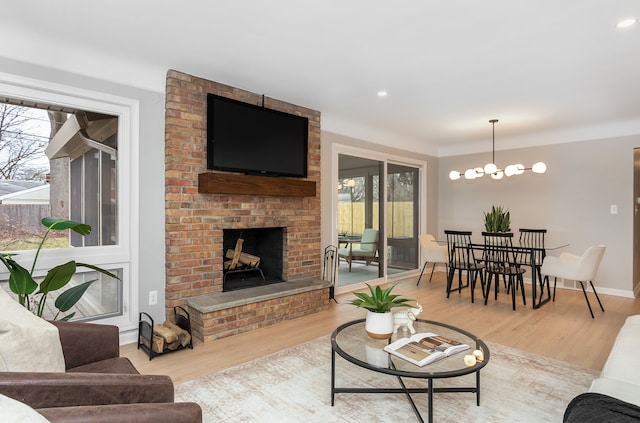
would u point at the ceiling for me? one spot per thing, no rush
(551, 71)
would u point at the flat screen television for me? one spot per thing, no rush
(254, 140)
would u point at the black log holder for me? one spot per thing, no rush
(145, 331)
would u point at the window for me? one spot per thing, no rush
(90, 157)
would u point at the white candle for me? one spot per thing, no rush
(470, 360)
(479, 355)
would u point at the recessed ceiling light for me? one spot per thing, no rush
(382, 93)
(626, 23)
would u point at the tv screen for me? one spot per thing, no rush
(247, 138)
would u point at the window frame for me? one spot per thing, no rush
(123, 254)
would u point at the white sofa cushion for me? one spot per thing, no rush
(27, 342)
(628, 392)
(16, 412)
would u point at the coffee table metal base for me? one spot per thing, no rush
(430, 390)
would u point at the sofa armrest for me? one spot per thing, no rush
(45, 390)
(84, 343)
(596, 408)
(183, 412)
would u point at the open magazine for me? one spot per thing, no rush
(424, 348)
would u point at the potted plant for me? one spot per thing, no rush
(497, 220)
(378, 302)
(33, 295)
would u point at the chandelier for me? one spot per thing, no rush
(493, 170)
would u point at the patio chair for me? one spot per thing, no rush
(365, 249)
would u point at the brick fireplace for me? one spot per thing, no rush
(196, 220)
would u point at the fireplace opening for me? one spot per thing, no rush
(264, 245)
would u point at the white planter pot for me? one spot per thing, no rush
(379, 325)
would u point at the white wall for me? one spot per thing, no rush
(572, 200)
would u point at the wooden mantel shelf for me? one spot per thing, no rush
(231, 183)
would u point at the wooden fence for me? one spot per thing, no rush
(399, 218)
(22, 220)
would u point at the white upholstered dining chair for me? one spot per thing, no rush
(577, 268)
(433, 252)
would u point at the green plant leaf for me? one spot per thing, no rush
(378, 300)
(20, 280)
(71, 296)
(98, 269)
(53, 223)
(58, 277)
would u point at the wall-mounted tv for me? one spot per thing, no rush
(251, 139)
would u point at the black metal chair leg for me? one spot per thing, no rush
(450, 280)
(597, 298)
(513, 292)
(486, 295)
(586, 298)
(421, 272)
(543, 281)
(554, 288)
(432, 269)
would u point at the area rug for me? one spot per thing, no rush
(294, 385)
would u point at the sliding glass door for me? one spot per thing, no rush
(365, 223)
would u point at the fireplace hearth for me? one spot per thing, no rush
(266, 244)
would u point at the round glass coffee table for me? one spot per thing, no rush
(351, 342)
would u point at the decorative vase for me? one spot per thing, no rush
(379, 325)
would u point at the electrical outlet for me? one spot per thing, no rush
(153, 297)
(614, 209)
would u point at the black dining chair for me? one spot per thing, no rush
(532, 238)
(462, 259)
(499, 259)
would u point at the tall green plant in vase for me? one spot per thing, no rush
(33, 295)
(497, 220)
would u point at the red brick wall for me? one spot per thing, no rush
(194, 222)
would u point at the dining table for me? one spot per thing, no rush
(529, 253)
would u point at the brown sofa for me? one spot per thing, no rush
(98, 385)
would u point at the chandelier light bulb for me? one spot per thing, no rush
(479, 172)
(470, 174)
(519, 168)
(539, 167)
(498, 174)
(510, 170)
(490, 168)
(454, 175)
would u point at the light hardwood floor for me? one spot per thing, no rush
(563, 330)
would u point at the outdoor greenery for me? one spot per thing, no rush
(379, 301)
(33, 295)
